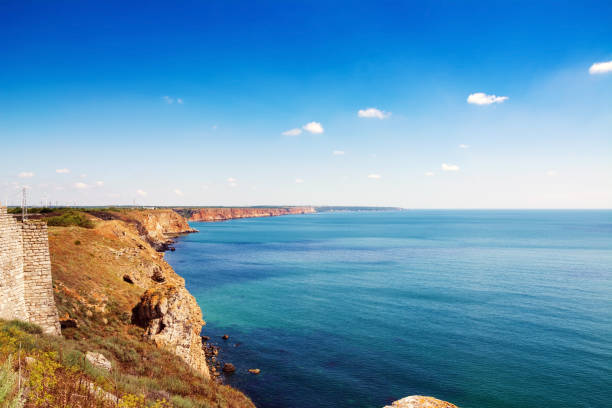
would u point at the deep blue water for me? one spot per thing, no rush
(481, 308)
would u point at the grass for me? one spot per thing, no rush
(89, 287)
(70, 218)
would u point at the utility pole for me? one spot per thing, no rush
(24, 205)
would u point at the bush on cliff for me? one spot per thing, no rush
(70, 218)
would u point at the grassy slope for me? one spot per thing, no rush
(88, 266)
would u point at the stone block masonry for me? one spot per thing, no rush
(26, 289)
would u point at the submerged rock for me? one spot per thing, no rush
(419, 401)
(228, 368)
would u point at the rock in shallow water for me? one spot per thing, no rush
(419, 401)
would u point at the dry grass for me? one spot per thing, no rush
(89, 287)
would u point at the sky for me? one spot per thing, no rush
(428, 104)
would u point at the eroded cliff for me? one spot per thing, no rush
(128, 270)
(228, 213)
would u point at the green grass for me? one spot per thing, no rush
(70, 218)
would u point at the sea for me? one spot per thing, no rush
(485, 309)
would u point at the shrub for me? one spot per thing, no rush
(70, 218)
(10, 396)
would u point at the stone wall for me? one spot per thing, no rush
(26, 290)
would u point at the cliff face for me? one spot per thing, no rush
(157, 227)
(122, 267)
(419, 401)
(169, 315)
(221, 214)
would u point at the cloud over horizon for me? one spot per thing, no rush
(449, 167)
(373, 113)
(26, 174)
(481, 98)
(62, 171)
(374, 176)
(600, 68)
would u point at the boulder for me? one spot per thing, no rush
(228, 368)
(419, 401)
(254, 370)
(98, 360)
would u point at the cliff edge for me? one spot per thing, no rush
(228, 213)
(114, 289)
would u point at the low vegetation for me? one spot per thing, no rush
(88, 265)
(91, 251)
(70, 218)
(55, 373)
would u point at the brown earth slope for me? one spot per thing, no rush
(111, 282)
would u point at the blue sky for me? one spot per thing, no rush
(186, 103)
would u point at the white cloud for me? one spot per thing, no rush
(551, 173)
(141, 193)
(292, 132)
(313, 127)
(430, 174)
(178, 192)
(26, 174)
(80, 185)
(450, 167)
(62, 171)
(373, 113)
(338, 152)
(463, 146)
(168, 99)
(231, 180)
(601, 68)
(299, 181)
(374, 176)
(480, 98)
(179, 101)
(83, 175)
(99, 183)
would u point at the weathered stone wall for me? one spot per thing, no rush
(25, 273)
(12, 301)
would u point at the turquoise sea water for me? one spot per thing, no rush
(481, 308)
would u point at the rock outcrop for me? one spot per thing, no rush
(170, 319)
(227, 213)
(130, 269)
(419, 401)
(158, 227)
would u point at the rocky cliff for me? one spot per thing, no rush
(227, 213)
(419, 401)
(157, 227)
(122, 264)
